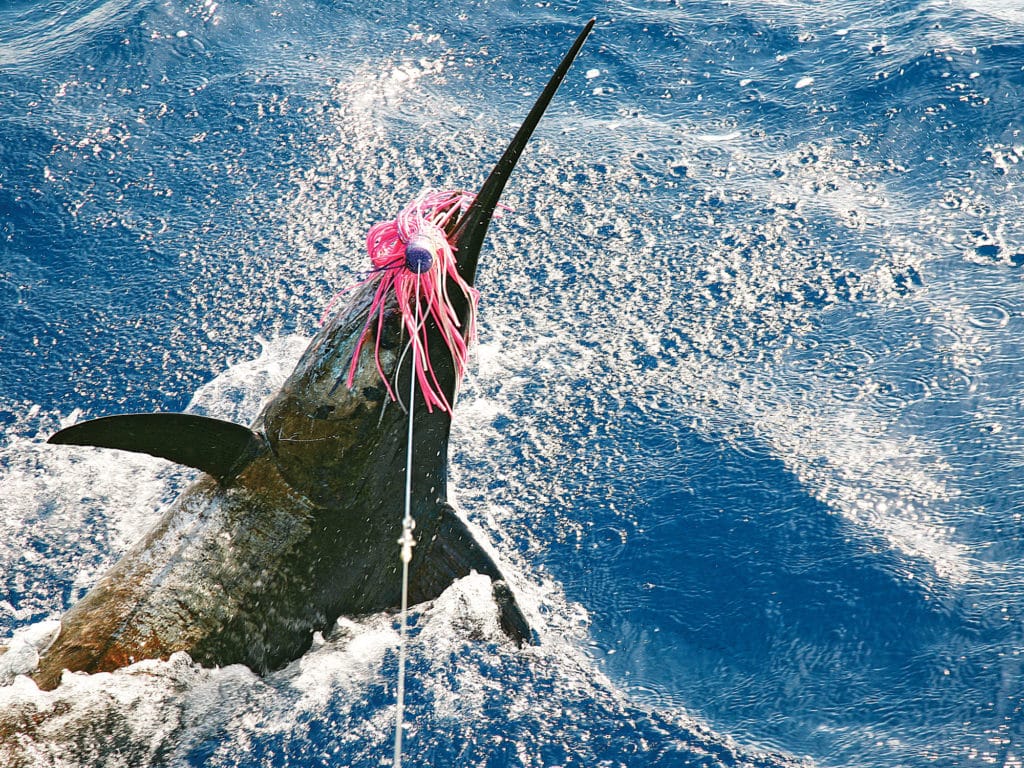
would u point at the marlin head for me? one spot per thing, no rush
(421, 288)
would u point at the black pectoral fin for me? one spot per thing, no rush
(452, 554)
(214, 446)
(511, 618)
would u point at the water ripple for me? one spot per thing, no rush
(988, 316)
(34, 35)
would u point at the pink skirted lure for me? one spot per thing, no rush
(413, 262)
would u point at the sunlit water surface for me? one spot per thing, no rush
(744, 426)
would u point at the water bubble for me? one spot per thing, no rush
(945, 339)
(953, 381)
(988, 316)
(899, 394)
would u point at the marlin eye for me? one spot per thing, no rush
(419, 253)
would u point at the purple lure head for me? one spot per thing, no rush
(419, 253)
(414, 269)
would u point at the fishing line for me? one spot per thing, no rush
(407, 542)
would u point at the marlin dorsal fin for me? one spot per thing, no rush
(214, 446)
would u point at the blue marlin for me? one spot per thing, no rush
(296, 518)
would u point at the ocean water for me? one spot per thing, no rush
(744, 425)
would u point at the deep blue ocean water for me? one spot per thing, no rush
(745, 420)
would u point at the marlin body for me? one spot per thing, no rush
(246, 565)
(296, 519)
